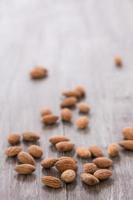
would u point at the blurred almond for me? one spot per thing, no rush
(83, 107)
(89, 168)
(103, 162)
(81, 90)
(69, 102)
(50, 119)
(89, 179)
(26, 158)
(48, 162)
(58, 138)
(83, 152)
(38, 72)
(113, 150)
(127, 144)
(35, 151)
(13, 138)
(103, 174)
(96, 151)
(128, 133)
(31, 136)
(25, 169)
(68, 176)
(118, 61)
(46, 111)
(66, 115)
(65, 164)
(64, 146)
(82, 122)
(13, 151)
(52, 182)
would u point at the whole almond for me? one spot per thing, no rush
(68, 157)
(66, 114)
(25, 158)
(35, 151)
(89, 179)
(65, 164)
(118, 61)
(103, 162)
(83, 152)
(113, 150)
(31, 136)
(71, 93)
(13, 151)
(103, 174)
(81, 90)
(69, 102)
(50, 119)
(64, 146)
(83, 107)
(38, 72)
(96, 151)
(82, 122)
(46, 111)
(127, 144)
(52, 182)
(128, 133)
(49, 162)
(89, 168)
(25, 169)
(68, 176)
(58, 138)
(13, 138)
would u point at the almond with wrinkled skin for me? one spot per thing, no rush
(81, 90)
(52, 182)
(89, 179)
(118, 61)
(103, 174)
(64, 146)
(83, 152)
(65, 164)
(103, 162)
(96, 151)
(58, 138)
(68, 176)
(13, 151)
(128, 133)
(25, 169)
(31, 136)
(66, 115)
(26, 158)
(46, 111)
(82, 122)
(127, 144)
(35, 151)
(38, 72)
(13, 138)
(48, 162)
(69, 102)
(89, 168)
(50, 119)
(113, 150)
(83, 107)
(64, 157)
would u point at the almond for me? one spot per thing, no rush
(66, 114)
(71, 93)
(103, 174)
(81, 90)
(46, 111)
(13, 151)
(26, 158)
(68, 157)
(128, 133)
(83, 152)
(38, 72)
(83, 107)
(89, 168)
(35, 151)
(50, 119)
(89, 179)
(52, 182)
(25, 169)
(58, 138)
(118, 61)
(64, 146)
(30, 136)
(127, 144)
(103, 162)
(68, 176)
(65, 164)
(96, 151)
(13, 138)
(113, 150)
(69, 102)
(82, 122)
(49, 162)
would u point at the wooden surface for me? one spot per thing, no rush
(76, 40)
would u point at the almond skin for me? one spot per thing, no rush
(89, 179)
(52, 182)
(113, 150)
(35, 151)
(65, 164)
(103, 174)
(38, 72)
(89, 168)
(50, 119)
(13, 138)
(96, 151)
(31, 136)
(58, 138)
(83, 152)
(82, 122)
(103, 162)
(83, 107)
(64, 146)
(118, 61)
(48, 162)
(25, 169)
(46, 111)
(68, 176)
(127, 144)
(66, 115)
(128, 133)
(13, 151)
(69, 102)
(26, 158)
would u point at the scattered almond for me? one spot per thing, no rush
(13, 151)
(82, 122)
(83, 107)
(69, 102)
(96, 151)
(127, 144)
(118, 61)
(25, 169)
(50, 119)
(89, 179)
(103, 162)
(89, 168)
(64, 157)
(30, 136)
(52, 182)
(65, 164)
(71, 93)
(83, 152)
(25, 158)
(46, 111)
(103, 174)
(38, 72)
(13, 138)
(128, 133)
(64, 146)
(81, 90)
(68, 176)
(35, 151)
(49, 162)
(113, 150)
(66, 114)
(58, 138)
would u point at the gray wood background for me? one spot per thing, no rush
(76, 40)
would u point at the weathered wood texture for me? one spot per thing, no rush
(76, 40)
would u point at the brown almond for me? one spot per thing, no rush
(38, 72)
(26, 158)
(65, 164)
(128, 133)
(35, 151)
(81, 90)
(58, 138)
(103, 174)
(113, 150)
(13, 138)
(66, 115)
(13, 151)
(52, 182)
(31, 136)
(103, 162)
(48, 162)
(69, 102)
(118, 61)
(127, 144)
(64, 146)
(89, 179)
(46, 111)
(64, 157)
(82, 122)
(71, 93)
(83, 152)
(24, 169)
(50, 119)
(89, 168)
(68, 176)
(83, 107)
(96, 151)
